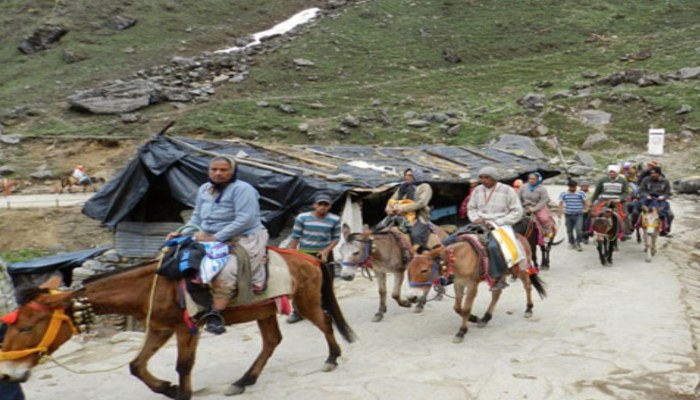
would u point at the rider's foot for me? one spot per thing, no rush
(578, 247)
(215, 322)
(294, 317)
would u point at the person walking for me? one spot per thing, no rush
(571, 205)
(316, 232)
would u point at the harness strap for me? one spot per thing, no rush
(57, 319)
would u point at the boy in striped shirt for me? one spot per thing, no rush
(572, 203)
(316, 232)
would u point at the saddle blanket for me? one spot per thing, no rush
(279, 283)
(509, 244)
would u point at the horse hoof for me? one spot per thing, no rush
(168, 389)
(457, 339)
(328, 367)
(482, 324)
(418, 310)
(528, 314)
(234, 390)
(377, 317)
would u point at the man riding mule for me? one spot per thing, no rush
(496, 205)
(612, 190)
(654, 191)
(228, 210)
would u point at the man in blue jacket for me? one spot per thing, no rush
(228, 210)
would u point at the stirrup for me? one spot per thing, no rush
(214, 322)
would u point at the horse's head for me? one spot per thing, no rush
(650, 219)
(38, 327)
(353, 253)
(422, 270)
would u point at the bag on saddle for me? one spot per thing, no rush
(182, 258)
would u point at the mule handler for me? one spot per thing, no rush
(316, 233)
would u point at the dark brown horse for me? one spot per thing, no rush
(532, 229)
(466, 263)
(606, 227)
(43, 324)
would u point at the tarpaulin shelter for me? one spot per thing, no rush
(162, 180)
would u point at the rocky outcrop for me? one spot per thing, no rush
(42, 38)
(117, 98)
(690, 185)
(517, 144)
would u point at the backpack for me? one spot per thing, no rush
(182, 258)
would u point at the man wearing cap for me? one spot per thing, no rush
(496, 203)
(571, 204)
(228, 210)
(316, 232)
(647, 170)
(419, 196)
(612, 187)
(654, 191)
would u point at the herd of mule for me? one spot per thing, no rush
(47, 318)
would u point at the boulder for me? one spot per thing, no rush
(685, 109)
(595, 117)
(418, 123)
(120, 22)
(585, 158)
(42, 38)
(518, 144)
(532, 101)
(688, 73)
(594, 140)
(302, 62)
(117, 98)
(690, 185)
(6, 170)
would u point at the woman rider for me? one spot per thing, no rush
(535, 200)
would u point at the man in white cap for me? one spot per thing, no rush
(228, 210)
(611, 188)
(496, 203)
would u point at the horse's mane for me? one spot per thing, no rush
(117, 271)
(26, 295)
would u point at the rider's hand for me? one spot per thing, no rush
(661, 198)
(173, 235)
(204, 237)
(479, 221)
(323, 255)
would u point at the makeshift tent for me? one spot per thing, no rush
(63, 263)
(162, 180)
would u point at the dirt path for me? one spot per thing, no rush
(621, 332)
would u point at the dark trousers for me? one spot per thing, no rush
(420, 233)
(574, 228)
(11, 391)
(497, 264)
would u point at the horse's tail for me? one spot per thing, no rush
(539, 285)
(330, 304)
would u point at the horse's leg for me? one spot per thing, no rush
(546, 249)
(139, 366)
(527, 285)
(647, 246)
(611, 245)
(309, 306)
(488, 315)
(271, 337)
(600, 246)
(396, 293)
(186, 353)
(533, 251)
(381, 285)
(466, 310)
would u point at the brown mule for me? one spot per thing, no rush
(466, 264)
(129, 292)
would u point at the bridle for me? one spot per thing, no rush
(366, 260)
(82, 313)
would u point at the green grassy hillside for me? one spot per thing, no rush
(380, 61)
